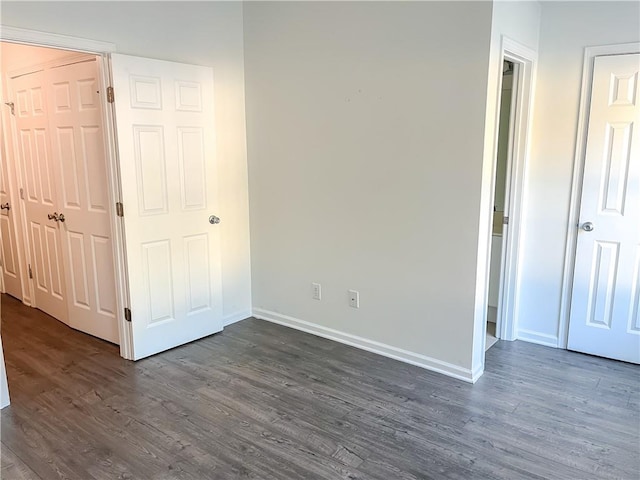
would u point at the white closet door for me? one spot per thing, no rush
(35, 156)
(8, 246)
(77, 138)
(605, 302)
(166, 144)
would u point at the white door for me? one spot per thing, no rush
(605, 317)
(9, 249)
(77, 139)
(34, 150)
(166, 146)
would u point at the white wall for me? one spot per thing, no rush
(358, 175)
(566, 29)
(4, 387)
(204, 33)
(14, 56)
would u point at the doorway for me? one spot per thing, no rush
(502, 181)
(56, 159)
(162, 180)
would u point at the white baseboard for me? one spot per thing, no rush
(235, 317)
(405, 356)
(477, 373)
(538, 338)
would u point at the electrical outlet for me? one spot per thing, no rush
(317, 291)
(354, 299)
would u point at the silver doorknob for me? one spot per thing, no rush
(5, 206)
(53, 216)
(587, 227)
(213, 220)
(61, 217)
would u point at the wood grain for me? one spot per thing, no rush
(263, 401)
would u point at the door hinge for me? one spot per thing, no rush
(119, 209)
(110, 95)
(22, 193)
(12, 106)
(30, 272)
(505, 221)
(127, 314)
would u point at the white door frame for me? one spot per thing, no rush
(578, 173)
(518, 153)
(527, 60)
(102, 51)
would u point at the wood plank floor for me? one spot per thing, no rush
(266, 402)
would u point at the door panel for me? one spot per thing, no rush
(76, 121)
(605, 295)
(8, 251)
(165, 123)
(34, 151)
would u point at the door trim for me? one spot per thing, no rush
(102, 51)
(527, 60)
(578, 173)
(54, 40)
(507, 322)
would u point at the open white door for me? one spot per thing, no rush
(605, 302)
(166, 149)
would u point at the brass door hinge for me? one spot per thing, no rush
(119, 209)
(12, 106)
(127, 314)
(110, 95)
(30, 272)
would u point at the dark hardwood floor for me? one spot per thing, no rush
(264, 401)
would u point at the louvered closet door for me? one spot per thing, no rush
(40, 196)
(166, 143)
(605, 306)
(77, 138)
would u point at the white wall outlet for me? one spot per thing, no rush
(354, 299)
(317, 291)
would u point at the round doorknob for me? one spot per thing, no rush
(213, 220)
(587, 227)
(61, 217)
(5, 206)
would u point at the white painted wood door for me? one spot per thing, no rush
(77, 139)
(34, 151)
(9, 249)
(605, 317)
(166, 145)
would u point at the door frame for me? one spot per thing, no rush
(590, 53)
(102, 50)
(518, 154)
(506, 329)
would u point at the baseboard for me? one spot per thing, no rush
(235, 317)
(538, 338)
(477, 373)
(405, 356)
